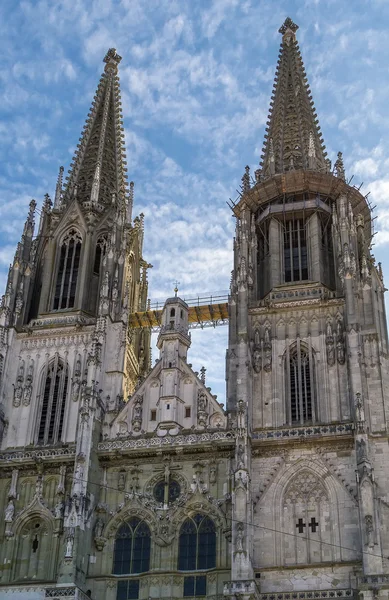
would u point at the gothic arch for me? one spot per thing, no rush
(57, 390)
(131, 509)
(68, 266)
(199, 504)
(323, 541)
(36, 547)
(300, 387)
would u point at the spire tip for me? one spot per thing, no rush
(112, 59)
(288, 24)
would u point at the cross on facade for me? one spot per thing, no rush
(300, 526)
(313, 524)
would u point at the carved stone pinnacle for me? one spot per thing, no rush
(112, 58)
(288, 24)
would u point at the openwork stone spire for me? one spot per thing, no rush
(98, 169)
(293, 138)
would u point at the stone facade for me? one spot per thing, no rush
(120, 480)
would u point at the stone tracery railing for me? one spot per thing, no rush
(169, 440)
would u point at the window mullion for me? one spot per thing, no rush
(50, 399)
(291, 250)
(63, 276)
(312, 383)
(288, 390)
(71, 272)
(299, 250)
(60, 400)
(299, 382)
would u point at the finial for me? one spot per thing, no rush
(58, 189)
(246, 180)
(177, 283)
(288, 25)
(112, 59)
(29, 224)
(202, 374)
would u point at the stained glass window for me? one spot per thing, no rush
(132, 548)
(197, 544)
(172, 489)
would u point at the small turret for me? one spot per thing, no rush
(174, 339)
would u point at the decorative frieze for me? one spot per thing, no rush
(56, 340)
(36, 455)
(309, 595)
(304, 432)
(167, 441)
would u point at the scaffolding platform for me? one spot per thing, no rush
(204, 311)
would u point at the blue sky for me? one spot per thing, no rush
(196, 78)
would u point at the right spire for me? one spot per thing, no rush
(293, 138)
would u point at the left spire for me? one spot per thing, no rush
(98, 169)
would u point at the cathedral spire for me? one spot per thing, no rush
(293, 139)
(98, 169)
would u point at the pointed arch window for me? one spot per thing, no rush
(197, 544)
(34, 552)
(301, 386)
(68, 267)
(54, 392)
(101, 248)
(132, 548)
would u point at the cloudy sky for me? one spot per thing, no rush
(196, 77)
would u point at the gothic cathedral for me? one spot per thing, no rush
(125, 480)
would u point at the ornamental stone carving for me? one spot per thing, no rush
(202, 414)
(27, 392)
(18, 389)
(340, 343)
(330, 345)
(137, 412)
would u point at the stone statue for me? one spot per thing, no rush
(361, 451)
(257, 361)
(240, 455)
(257, 341)
(99, 528)
(58, 510)
(69, 547)
(202, 402)
(9, 512)
(212, 472)
(18, 392)
(122, 481)
(239, 538)
(359, 411)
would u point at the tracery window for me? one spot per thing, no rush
(132, 548)
(295, 250)
(69, 262)
(308, 525)
(197, 544)
(300, 387)
(55, 388)
(167, 492)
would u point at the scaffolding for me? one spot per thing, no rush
(204, 311)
